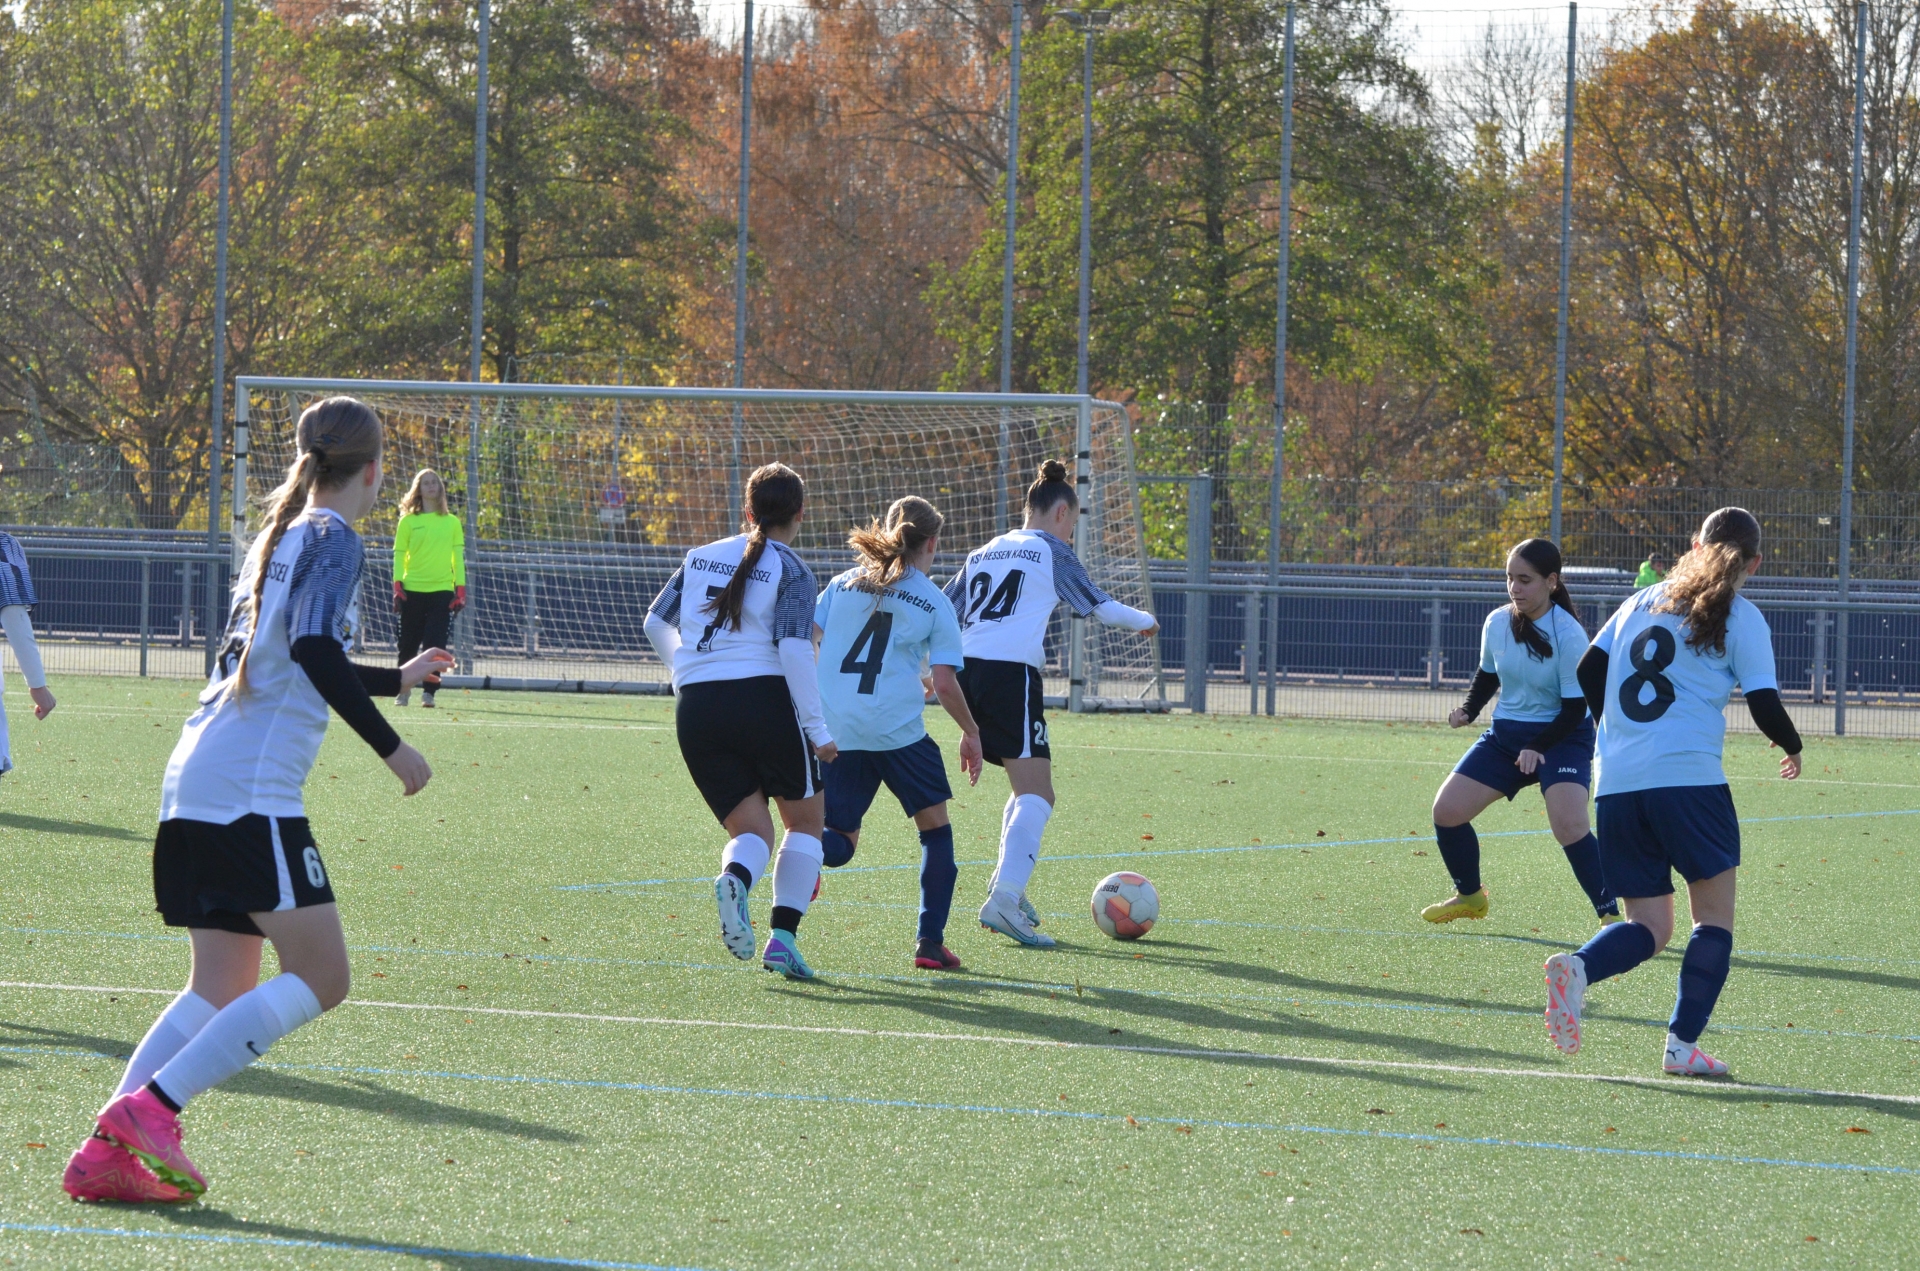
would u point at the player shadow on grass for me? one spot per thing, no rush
(13, 1033)
(1735, 1092)
(361, 1095)
(84, 829)
(972, 1011)
(206, 1220)
(1880, 979)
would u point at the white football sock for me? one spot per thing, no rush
(1006, 819)
(179, 1024)
(242, 1032)
(1020, 845)
(751, 852)
(796, 870)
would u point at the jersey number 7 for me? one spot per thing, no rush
(873, 638)
(987, 603)
(706, 637)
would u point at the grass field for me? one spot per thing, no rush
(551, 1060)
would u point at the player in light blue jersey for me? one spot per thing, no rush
(1530, 654)
(1657, 678)
(878, 624)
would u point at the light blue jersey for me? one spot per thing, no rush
(1531, 686)
(1665, 719)
(871, 655)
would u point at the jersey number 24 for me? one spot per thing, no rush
(987, 603)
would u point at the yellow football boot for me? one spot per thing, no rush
(1607, 920)
(1474, 906)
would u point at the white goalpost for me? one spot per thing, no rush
(580, 500)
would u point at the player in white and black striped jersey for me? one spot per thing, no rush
(1006, 594)
(234, 860)
(735, 626)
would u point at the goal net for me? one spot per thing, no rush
(580, 501)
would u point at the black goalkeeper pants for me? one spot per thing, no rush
(424, 616)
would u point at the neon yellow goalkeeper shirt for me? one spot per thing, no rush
(430, 552)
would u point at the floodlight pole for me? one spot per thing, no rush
(1853, 348)
(1280, 363)
(222, 226)
(1001, 520)
(734, 490)
(477, 335)
(1566, 280)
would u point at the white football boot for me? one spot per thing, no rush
(736, 929)
(1026, 906)
(1002, 913)
(1566, 995)
(1685, 1059)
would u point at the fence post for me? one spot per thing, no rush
(1436, 658)
(146, 592)
(186, 603)
(1819, 656)
(532, 624)
(1083, 488)
(1199, 603)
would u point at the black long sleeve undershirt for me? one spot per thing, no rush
(1768, 711)
(1479, 693)
(1561, 726)
(1592, 674)
(1770, 716)
(348, 688)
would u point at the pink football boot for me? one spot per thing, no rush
(103, 1170)
(150, 1130)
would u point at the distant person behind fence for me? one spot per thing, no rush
(1652, 570)
(16, 598)
(429, 570)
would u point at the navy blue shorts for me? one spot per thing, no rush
(1645, 834)
(1490, 760)
(916, 774)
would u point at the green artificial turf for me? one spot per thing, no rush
(596, 1079)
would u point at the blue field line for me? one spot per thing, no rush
(1065, 1114)
(337, 1246)
(1097, 990)
(1215, 851)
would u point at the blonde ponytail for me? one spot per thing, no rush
(336, 439)
(885, 547)
(1705, 581)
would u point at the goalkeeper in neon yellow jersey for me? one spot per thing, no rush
(429, 570)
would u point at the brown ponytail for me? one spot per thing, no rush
(1704, 582)
(335, 439)
(775, 493)
(883, 548)
(1050, 488)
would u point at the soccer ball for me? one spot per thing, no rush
(1125, 905)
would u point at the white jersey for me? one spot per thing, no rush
(1007, 591)
(242, 754)
(1665, 721)
(778, 605)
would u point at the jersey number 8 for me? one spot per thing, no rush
(987, 603)
(1651, 652)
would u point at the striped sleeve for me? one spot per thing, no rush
(16, 581)
(956, 593)
(793, 603)
(1071, 582)
(325, 581)
(666, 605)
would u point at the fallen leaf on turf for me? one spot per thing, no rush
(1319, 834)
(449, 1160)
(1439, 1125)
(1112, 1032)
(1267, 1173)
(1856, 1129)
(1376, 1112)
(460, 986)
(1813, 1240)
(1135, 1124)
(1183, 1129)
(1148, 837)
(36, 1145)
(1611, 1130)
(1472, 1231)
(1419, 853)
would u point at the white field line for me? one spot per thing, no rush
(1182, 1052)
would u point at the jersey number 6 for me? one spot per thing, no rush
(985, 607)
(1651, 652)
(873, 638)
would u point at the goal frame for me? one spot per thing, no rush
(1078, 646)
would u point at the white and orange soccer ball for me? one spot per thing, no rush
(1125, 905)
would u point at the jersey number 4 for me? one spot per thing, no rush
(1651, 652)
(987, 603)
(873, 639)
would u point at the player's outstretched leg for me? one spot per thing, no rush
(1616, 948)
(744, 860)
(1703, 972)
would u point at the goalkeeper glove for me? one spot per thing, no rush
(399, 593)
(459, 600)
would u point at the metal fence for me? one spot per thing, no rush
(1354, 643)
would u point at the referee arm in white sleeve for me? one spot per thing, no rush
(26, 651)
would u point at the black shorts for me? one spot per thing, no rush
(916, 774)
(1006, 701)
(742, 736)
(211, 875)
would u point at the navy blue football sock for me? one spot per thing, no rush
(1460, 849)
(938, 874)
(1617, 948)
(1584, 856)
(839, 849)
(1703, 971)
